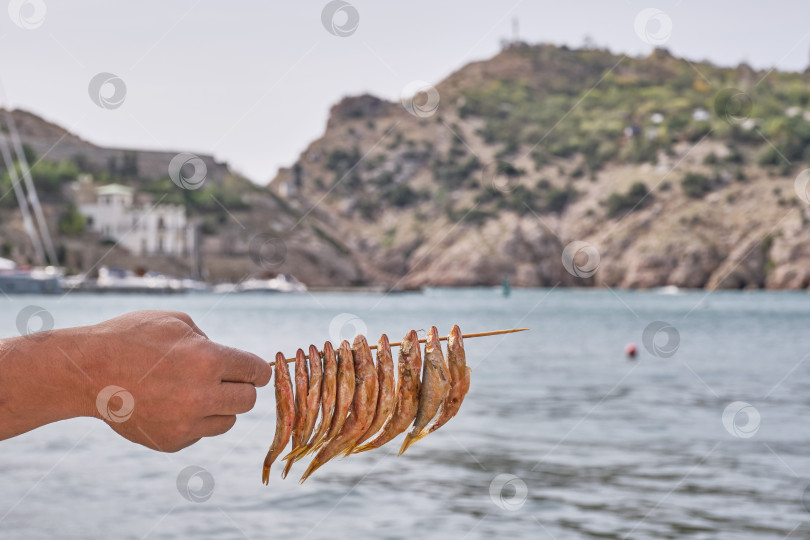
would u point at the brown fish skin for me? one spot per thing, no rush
(364, 405)
(327, 398)
(314, 391)
(307, 397)
(345, 393)
(285, 415)
(387, 391)
(300, 402)
(435, 387)
(408, 390)
(459, 381)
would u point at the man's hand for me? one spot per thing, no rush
(153, 376)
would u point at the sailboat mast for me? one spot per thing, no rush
(32, 190)
(28, 223)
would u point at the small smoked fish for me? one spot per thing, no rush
(364, 404)
(285, 415)
(312, 396)
(386, 396)
(408, 388)
(301, 385)
(314, 391)
(327, 398)
(435, 387)
(345, 393)
(459, 381)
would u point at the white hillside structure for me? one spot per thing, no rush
(113, 211)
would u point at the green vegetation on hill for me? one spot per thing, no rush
(659, 99)
(48, 176)
(578, 111)
(619, 204)
(212, 202)
(542, 145)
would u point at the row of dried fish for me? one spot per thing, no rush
(360, 404)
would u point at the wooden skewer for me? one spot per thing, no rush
(464, 336)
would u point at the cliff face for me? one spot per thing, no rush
(649, 161)
(546, 165)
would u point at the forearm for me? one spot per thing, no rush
(41, 381)
(170, 384)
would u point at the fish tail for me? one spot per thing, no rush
(296, 453)
(365, 448)
(314, 465)
(303, 452)
(265, 474)
(410, 438)
(268, 462)
(287, 468)
(313, 448)
(421, 435)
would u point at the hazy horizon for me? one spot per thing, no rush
(257, 103)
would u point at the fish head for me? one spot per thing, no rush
(455, 340)
(410, 341)
(359, 343)
(345, 349)
(432, 342)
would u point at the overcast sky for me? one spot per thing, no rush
(252, 82)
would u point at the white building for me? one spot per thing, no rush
(141, 228)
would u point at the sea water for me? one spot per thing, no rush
(704, 434)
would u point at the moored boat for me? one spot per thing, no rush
(14, 280)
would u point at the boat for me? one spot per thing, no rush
(225, 288)
(117, 280)
(282, 283)
(195, 285)
(37, 280)
(669, 290)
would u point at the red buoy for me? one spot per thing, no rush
(630, 350)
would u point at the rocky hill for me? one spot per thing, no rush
(543, 164)
(244, 229)
(665, 171)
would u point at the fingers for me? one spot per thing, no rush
(234, 398)
(216, 425)
(243, 367)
